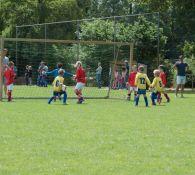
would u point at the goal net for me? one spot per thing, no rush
(35, 59)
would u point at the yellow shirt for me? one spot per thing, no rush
(157, 84)
(57, 84)
(141, 80)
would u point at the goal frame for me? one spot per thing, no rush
(54, 41)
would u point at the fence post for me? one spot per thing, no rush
(1, 67)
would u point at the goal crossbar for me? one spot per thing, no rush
(67, 41)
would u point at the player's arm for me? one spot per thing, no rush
(51, 72)
(67, 74)
(153, 83)
(136, 80)
(148, 81)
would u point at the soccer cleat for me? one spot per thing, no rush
(65, 103)
(128, 98)
(168, 100)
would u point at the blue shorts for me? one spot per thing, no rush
(141, 91)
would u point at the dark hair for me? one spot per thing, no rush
(59, 65)
(123, 68)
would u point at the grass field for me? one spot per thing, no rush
(99, 137)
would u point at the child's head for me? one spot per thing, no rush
(30, 67)
(78, 64)
(156, 73)
(11, 64)
(161, 68)
(99, 64)
(61, 72)
(134, 68)
(141, 68)
(59, 65)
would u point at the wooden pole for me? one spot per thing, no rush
(66, 41)
(131, 55)
(1, 67)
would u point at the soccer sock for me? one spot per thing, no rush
(9, 95)
(135, 94)
(146, 101)
(65, 97)
(166, 96)
(50, 100)
(153, 99)
(136, 100)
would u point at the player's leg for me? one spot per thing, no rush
(145, 99)
(129, 93)
(9, 92)
(166, 96)
(64, 97)
(159, 98)
(53, 97)
(137, 97)
(78, 92)
(135, 92)
(153, 98)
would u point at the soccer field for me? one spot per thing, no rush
(99, 137)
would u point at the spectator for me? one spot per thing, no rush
(99, 75)
(181, 68)
(5, 64)
(127, 70)
(5, 58)
(28, 75)
(123, 77)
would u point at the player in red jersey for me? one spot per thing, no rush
(131, 83)
(164, 81)
(80, 78)
(9, 75)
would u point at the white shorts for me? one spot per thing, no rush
(133, 88)
(79, 86)
(181, 80)
(10, 87)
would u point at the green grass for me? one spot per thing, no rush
(100, 137)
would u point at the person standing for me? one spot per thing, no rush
(181, 68)
(99, 75)
(5, 64)
(127, 70)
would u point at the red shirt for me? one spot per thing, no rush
(163, 78)
(80, 75)
(9, 75)
(132, 79)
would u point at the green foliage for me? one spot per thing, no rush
(189, 53)
(143, 32)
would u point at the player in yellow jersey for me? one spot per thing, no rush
(157, 86)
(141, 81)
(58, 87)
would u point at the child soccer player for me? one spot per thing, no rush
(131, 83)
(59, 88)
(164, 81)
(158, 87)
(141, 81)
(81, 80)
(9, 75)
